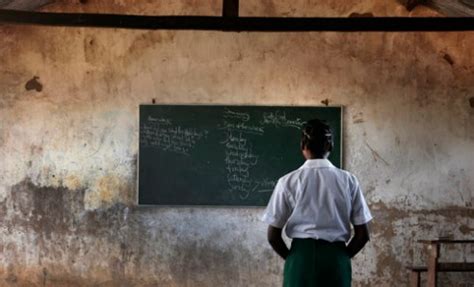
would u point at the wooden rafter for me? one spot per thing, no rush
(230, 8)
(254, 24)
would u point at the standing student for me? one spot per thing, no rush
(317, 204)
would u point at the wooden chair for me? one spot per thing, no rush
(434, 266)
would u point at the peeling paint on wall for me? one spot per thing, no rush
(448, 59)
(34, 84)
(106, 191)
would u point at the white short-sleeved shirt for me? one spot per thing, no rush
(318, 201)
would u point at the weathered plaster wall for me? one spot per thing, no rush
(68, 144)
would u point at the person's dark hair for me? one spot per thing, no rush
(316, 136)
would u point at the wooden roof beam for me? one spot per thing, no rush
(238, 24)
(230, 8)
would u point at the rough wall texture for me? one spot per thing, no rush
(68, 144)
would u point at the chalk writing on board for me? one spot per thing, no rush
(263, 185)
(229, 114)
(160, 133)
(242, 127)
(239, 158)
(163, 121)
(279, 119)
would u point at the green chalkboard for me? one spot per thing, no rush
(222, 155)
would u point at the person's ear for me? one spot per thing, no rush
(328, 145)
(305, 152)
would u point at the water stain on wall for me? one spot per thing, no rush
(119, 233)
(46, 210)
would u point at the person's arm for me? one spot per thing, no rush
(276, 241)
(360, 238)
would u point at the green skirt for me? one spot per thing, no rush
(317, 263)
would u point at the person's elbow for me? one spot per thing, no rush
(364, 238)
(274, 235)
(362, 233)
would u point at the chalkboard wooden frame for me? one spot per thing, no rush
(339, 110)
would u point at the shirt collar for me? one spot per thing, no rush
(317, 163)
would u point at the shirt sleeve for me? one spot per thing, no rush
(278, 209)
(360, 213)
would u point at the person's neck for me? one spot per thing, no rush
(308, 154)
(312, 156)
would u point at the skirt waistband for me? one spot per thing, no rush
(320, 241)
